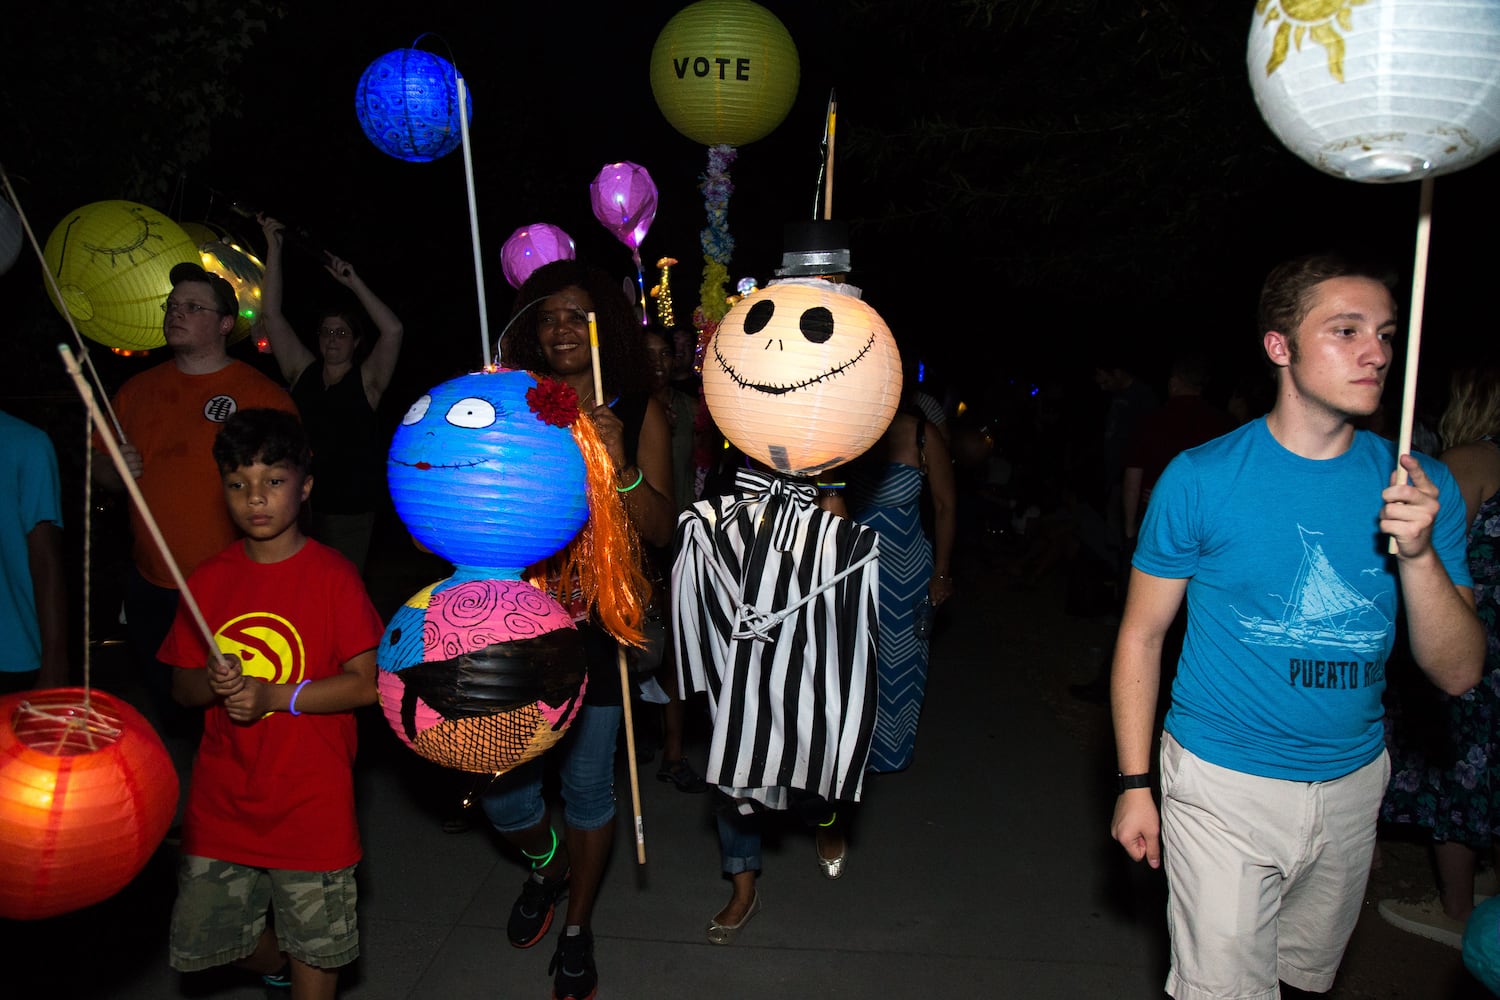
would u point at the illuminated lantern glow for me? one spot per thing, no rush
(11, 235)
(244, 272)
(481, 674)
(623, 197)
(479, 480)
(1379, 90)
(724, 72)
(407, 103)
(111, 260)
(802, 377)
(85, 799)
(529, 247)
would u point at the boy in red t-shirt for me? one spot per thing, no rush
(270, 821)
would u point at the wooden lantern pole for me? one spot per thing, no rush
(1414, 332)
(629, 720)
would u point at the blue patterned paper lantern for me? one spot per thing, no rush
(407, 102)
(477, 477)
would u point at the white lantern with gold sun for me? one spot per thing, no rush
(1379, 90)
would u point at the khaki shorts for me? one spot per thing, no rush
(221, 912)
(1265, 877)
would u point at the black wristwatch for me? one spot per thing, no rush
(1124, 781)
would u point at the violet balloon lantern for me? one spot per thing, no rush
(724, 72)
(801, 376)
(529, 247)
(407, 103)
(111, 260)
(87, 792)
(623, 197)
(1379, 90)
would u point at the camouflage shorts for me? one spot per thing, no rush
(221, 913)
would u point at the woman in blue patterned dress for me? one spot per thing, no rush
(885, 493)
(1455, 792)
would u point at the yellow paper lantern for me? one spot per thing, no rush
(802, 377)
(111, 260)
(724, 71)
(1379, 90)
(244, 272)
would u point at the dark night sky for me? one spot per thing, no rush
(560, 89)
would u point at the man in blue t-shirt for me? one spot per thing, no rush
(1272, 763)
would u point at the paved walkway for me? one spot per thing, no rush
(982, 871)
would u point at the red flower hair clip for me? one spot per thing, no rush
(553, 402)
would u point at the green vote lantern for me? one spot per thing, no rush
(724, 72)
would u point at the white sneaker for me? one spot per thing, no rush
(1424, 918)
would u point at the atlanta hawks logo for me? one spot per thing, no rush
(267, 645)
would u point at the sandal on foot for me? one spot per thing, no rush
(724, 933)
(680, 773)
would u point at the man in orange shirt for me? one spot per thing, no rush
(170, 415)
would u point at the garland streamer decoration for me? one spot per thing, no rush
(717, 243)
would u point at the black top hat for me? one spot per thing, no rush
(814, 248)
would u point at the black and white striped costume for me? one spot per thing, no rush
(775, 617)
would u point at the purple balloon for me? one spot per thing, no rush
(532, 246)
(624, 200)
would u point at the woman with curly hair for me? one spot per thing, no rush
(549, 336)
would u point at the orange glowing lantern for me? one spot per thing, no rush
(86, 795)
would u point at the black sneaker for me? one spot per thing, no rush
(531, 914)
(573, 963)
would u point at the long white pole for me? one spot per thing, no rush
(463, 129)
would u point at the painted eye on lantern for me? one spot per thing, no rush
(816, 324)
(417, 411)
(472, 413)
(759, 316)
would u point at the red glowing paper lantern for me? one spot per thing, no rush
(85, 799)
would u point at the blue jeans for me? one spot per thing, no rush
(739, 833)
(587, 769)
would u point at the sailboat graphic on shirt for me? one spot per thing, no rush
(1324, 609)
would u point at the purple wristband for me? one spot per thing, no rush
(292, 705)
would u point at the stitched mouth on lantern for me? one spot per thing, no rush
(778, 390)
(424, 466)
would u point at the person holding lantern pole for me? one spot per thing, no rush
(270, 820)
(550, 336)
(169, 416)
(1273, 759)
(337, 392)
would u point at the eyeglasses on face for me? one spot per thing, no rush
(187, 308)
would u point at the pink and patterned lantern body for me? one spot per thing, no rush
(529, 247)
(624, 201)
(481, 674)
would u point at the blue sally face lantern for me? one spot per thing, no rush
(802, 377)
(477, 477)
